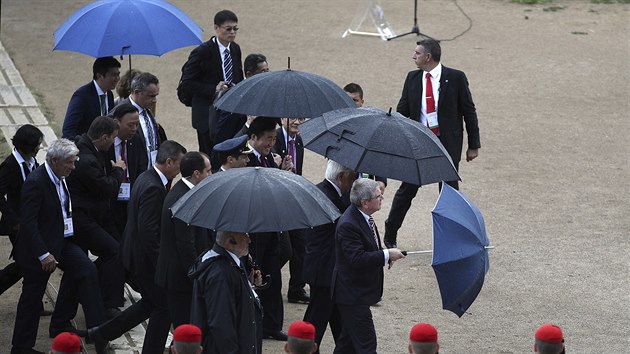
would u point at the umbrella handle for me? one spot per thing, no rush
(405, 253)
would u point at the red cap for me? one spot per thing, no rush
(549, 333)
(424, 333)
(67, 342)
(187, 333)
(302, 330)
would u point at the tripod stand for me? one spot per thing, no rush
(415, 29)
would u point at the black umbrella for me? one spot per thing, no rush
(254, 199)
(383, 144)
(284, 94)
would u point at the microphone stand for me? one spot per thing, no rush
(415, 29)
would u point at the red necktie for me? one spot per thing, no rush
(292, 152)
(263, 161)
(123, 156)
(430, 101)
(373, 227)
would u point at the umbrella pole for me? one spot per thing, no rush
(129, 62)
(406, 253)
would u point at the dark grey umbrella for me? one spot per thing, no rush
(285, 94)
(255, 199)
(383, 144)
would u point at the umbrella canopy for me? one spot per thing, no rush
(255, 199)
(120, 27)
(460, 255)
(383, 144)
(285, 94)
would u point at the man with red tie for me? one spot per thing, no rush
(439, 98)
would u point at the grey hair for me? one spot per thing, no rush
(424, 347)
(549, 347)
(300, 345)
(186, 347)
(142, 81)
(362, 189)
(334, 169)
(61, 149)
(223, 236)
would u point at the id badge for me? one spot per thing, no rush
(68, 228)
(124, 191)
(432, 120)
(153, 156)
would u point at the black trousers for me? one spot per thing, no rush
(179, 304)
(357, 335)
(10, 274)
(321, 311)
(205, 142)
(153, 306)
(264, 249)
(296, 263)
(79, 277)
(400, 206)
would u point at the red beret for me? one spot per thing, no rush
(187, 333)
(67, 342)
(549, 333)
(423, 332)
(301, 329)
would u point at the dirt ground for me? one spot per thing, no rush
(552, 95)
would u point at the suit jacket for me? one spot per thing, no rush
(94, 182)
(84, 106)
(141, 238)
(319, 250)
(255, 162)
(281, 148)
(358, 273)
(180, 245)
(137, 159)
(455, 102)
(41, 221)
(202, 73)
(11, 183)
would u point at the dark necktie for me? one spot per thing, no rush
(291, 144)
(103, 99)
(373, 227)
(26, 169)
(151, 132)
(263, 161)
(430, 101)
(227, 65)
(123, 156)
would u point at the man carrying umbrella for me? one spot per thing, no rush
(439, 98)
(357, 280)
(211, 67)
(224, 305)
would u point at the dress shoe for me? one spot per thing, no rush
(16, 350)
(100, 343)
(54, 331)
(298, 298)
(45, 313)
(280, 336)
(390, 244)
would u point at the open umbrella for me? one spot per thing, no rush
(284, 94)
(124, 27)
(254, 199)
(383, 144)
(460, 255)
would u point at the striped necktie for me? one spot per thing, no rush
(103, 99)
(227, 65)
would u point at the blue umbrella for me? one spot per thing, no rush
(121, 27)
(460, 255)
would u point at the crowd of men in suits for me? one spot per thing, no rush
(106, 189)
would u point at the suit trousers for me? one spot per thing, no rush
(321, 311)
(153, 306)
(179, 304)
(79, 277)
(296, 263)
(400, 206)
(264, 249)
(11, 274)
(205, 142)
(357, 335)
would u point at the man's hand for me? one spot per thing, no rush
(257, 277)
(222, 86)
(49, 264)
(471, 154)
(394, 255)
(276, 158)
(287, 163)
(120, 163)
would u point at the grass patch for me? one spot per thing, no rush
(610, 1)
(531, 2)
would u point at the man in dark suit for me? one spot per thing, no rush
(93, 183)
(265, 247)
(13, 172)
(141, 244)
(181, 244)
(93, 99)
(145, 88)
(439, 98)
(43, 243)
(357, 280)
(129, 147)
(211, 68)
(289, 145)
(319, 255)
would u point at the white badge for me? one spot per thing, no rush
(68, 229)
(432, 120)
(153, 157)
(125, 191)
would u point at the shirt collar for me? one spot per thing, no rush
(117, 141)
(236, 259)
(336, 187)
(254, 151)
(286, 136)
(51, 174)
(222, 48)
(20, 159)
(99, 90)
(140, 109)
(436, 72)
(366, 216)
(188, 183)
(162, 177)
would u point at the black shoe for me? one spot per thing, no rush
(280, 336)
(298, 298)
(100, 343)
(389, 244)
(45, 313)
(55, 331)
(16, 350)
